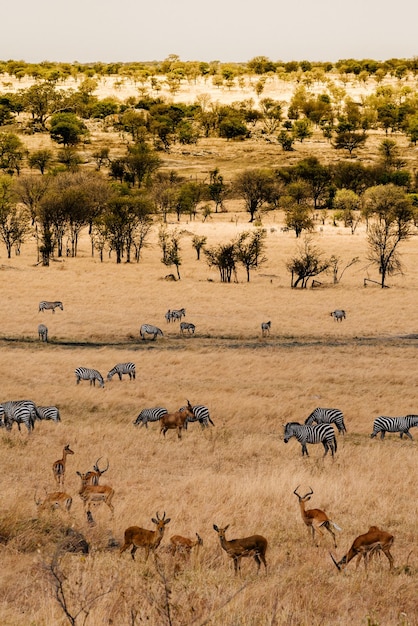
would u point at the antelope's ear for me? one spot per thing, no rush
(226, 527)
(154, 520)
(78, 473)
(167, 520)
(215, 528)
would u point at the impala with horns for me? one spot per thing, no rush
(92, 477)
(58, 467)
(184, 545)
(315, 519)
(95, 494)
(255, 546)
(141, 538)
(54, 500)
(176, 420)
(375, 540)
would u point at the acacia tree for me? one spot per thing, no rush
(223, 257)
(390, 214)
(249, 249)
(14, 217)
(307, 263)
(170, 247)
(254, 187)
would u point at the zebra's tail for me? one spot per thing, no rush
(211, 421)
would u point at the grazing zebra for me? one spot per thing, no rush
(168, 316)
(20, 412)
(319, 433)
(394, 425)
(177, 314)
(85, 373)
(200, 414)
(43, 332)
(187, 326)
(265, 328)
(122, 368)
(327, 416)
(46, 306)
(48, 413)
(149, 415)
(338, 315)
(149, 329)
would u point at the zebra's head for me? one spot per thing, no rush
(289, 430)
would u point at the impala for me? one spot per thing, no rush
(255, 546)
(365, 545)
(92, 477)
(95, 494)
(315, 519)
(141, 538)
(58, 467)
(176, 420)
(184, 545)
(55, 500)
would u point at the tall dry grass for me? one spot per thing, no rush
(239, 472)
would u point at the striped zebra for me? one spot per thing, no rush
(43, 333)
(187, 326)
(149, 329)
(168, 316)
(265, 328)
(327, 416)
(85, 373)
(19, 412)
(47, 306)
(149, 415)
(122, 368)
(319, 433)
(177, 314)
(338, 315)
(394, 425)
(200, 414)
(48, 413)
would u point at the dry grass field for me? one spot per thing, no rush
(238, 472)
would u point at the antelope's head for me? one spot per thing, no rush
(68, 450)
(304, 498)
(160, 523)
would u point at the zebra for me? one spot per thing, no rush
(201, 415)
(21, 412)
(177, 314)
(149, 415)
(168, 316)
(338, 315)
(187, 326)
(43, 333)
(122, 368)
(327, 416)
(85, 373)
(399, 425)
(149, 329)
(46, 306)
(319, 433)
(48, 413)
(265, 328)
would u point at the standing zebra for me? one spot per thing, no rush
(177, 314)
(149, 329)
(168, 316)
(265, 328)
(187, 326)
(48, 413)
(200, 414)
(394, 425)
(122, 368)
(327, 416)
(19, 412)
(149, 415)
(43, 333)
(85, 373)
(338, 315)
(320, 433)
(46, 306)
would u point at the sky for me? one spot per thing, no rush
(222, 30)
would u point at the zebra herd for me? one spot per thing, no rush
(87, 373)
(25, 412)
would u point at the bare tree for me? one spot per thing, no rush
(306, 264)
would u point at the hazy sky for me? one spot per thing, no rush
(224, 30)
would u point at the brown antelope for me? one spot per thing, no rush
(255, 546)
(55, 500)
(141, 538)
(92, 477)
(315, 519)
(365, 545)
(58, 467)
(95, 494)
(176, 420)
(184, 545)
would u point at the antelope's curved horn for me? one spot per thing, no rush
(295, 491)
(337, 565)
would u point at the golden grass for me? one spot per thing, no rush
(239, 472)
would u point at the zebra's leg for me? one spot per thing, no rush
(407, 433)
(304, 450)
(326, 447)
(382, 434)
(120, 376)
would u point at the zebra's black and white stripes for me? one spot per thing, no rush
(48, 413)
(85, 373)
(319, 433)
(48, 306)
(327, 416)
(187, 326)
(122, 368)
(149, 329)
(265, 328)
(338, 315)
(149, 415)
(19, 412)
(200, 414)
(400, 425)
(43, 333)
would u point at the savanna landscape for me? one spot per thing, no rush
(238, 472)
